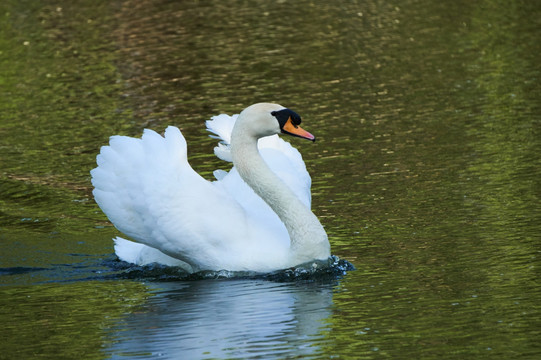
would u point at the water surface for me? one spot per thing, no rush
(426, 175)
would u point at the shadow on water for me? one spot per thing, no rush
(322, 270)
(111, 268)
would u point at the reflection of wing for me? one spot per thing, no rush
(222, 320)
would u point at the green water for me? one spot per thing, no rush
(426, 174)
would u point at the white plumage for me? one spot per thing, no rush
(148, 190)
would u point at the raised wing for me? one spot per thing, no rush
(150, 193)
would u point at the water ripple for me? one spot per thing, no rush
(320, 270)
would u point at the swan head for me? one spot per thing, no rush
(265, 119)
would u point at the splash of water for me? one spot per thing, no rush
(319, 270)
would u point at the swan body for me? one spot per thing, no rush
(256, 217)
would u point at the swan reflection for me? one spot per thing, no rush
(225, 319)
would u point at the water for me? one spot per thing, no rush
(425, 175)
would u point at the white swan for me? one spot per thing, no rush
(150, 193)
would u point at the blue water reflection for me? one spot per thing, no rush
(225, 319)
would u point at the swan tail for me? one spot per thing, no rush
(128, 251)
(222, 126)
(140, 254)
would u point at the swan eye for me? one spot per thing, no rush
(295, 119)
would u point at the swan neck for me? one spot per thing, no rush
(306, 233)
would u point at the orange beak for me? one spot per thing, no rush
(295, 130)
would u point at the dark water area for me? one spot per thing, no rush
(426, 175)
